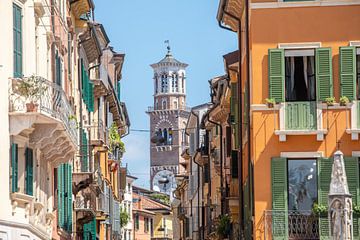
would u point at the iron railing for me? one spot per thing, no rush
(53, 102)
(99, 132)
(290, 225)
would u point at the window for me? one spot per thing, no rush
(164, 83)
(14, 167)
(176, 105)
(156, 83)
(146, 225)
(170, 139)
(300, 78)
(294, 77)
(137, 224)
(129, 187)
(164, 104)
(17, 41)
(302, 184)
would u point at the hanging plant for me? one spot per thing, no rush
(124, 218)
(115, 139)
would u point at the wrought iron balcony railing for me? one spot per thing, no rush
(290, 225)
(52, 102)
(99, 133)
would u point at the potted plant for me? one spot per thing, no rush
(330, 101)
(344, 100)
(320, 210)
(224, 226)
(31, 89)
(270, 102)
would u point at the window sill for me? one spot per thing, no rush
(354, 133)
(283, 133)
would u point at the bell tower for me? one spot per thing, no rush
(168, 118)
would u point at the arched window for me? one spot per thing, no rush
(164, 104)
(173, 83)
(176, 85)
(175, 105)
(165, 136)
(170, 139)
(159, 134)
(183, 83)
(156, 84)
(163, 83)
(157, 104)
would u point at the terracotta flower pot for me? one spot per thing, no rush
(31, 107)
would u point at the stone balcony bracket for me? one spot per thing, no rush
(23, 201)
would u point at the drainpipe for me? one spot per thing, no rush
(221, 165)
(240, 155)
(198, 169)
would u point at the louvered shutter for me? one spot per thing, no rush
(234, 164)
(324, 81)
(29, 165)
(233, 103)
(277, 74)
(206, 173)
(279, 198)
(17, 41)
(352, 174)
(61, 206)
(89, 230)
(348, 72)
(69, 197)
(14, 167)
(324, 178)
(84, 152)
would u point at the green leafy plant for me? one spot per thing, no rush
(270, 102)
(115, 139)
(124, 218)
(161, 197)
(330, 101)
(344, 100)
(356, 210)
(31, 88)
(319, 209)
(224, 226)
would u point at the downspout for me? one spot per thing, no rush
(250, 163)
(221, 165)
(240, 155)
(198, 169)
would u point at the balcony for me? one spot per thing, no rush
(300, 118)
(202, 156)
(40, 109)
(291, 225)
(99, 134)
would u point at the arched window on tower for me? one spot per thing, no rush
(176, 86)
(170, 139)
(159, 134)
(183, 83)
(165, 136)
(163, 82)
(164, 104)
(176, 105)
(173, 82)
(156, 84)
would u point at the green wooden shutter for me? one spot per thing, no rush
(84, 152)
(69, 195)
(234, 164)
(233, 102)
(17, 41)
(324, 178)
(279, 198)
(61, 198)
(14, 167)
(29, 166)
(348, 72)
(352, 174)
(118, 89)
(90, 230)
(277, 74)
(324, 81)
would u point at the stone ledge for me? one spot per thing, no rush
(283, 133)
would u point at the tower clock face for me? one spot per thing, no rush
(164, 181)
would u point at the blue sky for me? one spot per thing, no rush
(138, 28)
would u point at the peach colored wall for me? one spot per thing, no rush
(140, 234)
(333, 27)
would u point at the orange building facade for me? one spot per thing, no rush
(299, 66)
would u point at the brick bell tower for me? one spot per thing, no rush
(168, 118)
